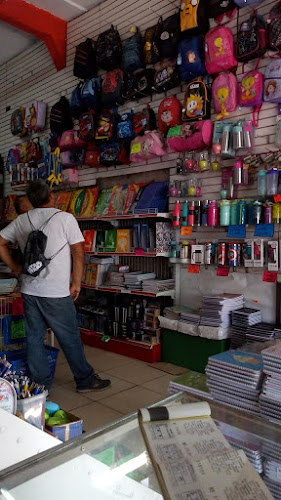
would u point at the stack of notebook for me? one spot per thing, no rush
(192, 382)
(134, 280)
(241, 320)
(191, 316)
(156, 286)
(270, 398)
(116, 279)
(271, 451)
(235, 378)
(216, 309)
(262, 332)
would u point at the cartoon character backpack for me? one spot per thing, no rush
(35, 115)
(196, 102)
(251, 92)
(151, 43)
(125, 129)
(219, 50)
(191, 51)
(272, 81)
(167, 75)
(274, 27)
(251, 39)
(169, 113)
(144, 120)
(113, 88)
(225, 94)
(86, 126)
(17, 122)
(194, 16)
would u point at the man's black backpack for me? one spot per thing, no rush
(60, 117)
(85, 66)
(34, 260)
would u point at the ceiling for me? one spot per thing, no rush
(14, 41)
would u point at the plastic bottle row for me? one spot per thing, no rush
(225, 213)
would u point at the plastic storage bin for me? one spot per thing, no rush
(33, 410)
(18, 359)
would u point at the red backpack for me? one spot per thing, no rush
(169, 113)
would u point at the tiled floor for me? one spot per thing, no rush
(134, 384)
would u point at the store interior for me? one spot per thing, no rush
(157, 127)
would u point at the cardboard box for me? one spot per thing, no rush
(67, 431)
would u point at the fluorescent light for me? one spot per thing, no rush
(76, 5)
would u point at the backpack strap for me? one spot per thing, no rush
(43, 227)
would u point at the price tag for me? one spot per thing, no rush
(266, 230)
(238, 231)
(194, 268)
(269, 276)
(223, 271)
(277, 198)
(139, 251)
(186, 230)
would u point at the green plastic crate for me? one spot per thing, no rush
(188, 351)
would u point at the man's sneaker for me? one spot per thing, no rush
(97, 384)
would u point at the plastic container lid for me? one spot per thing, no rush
(273, 171)
(261, 173)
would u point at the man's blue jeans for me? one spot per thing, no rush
(59, 314)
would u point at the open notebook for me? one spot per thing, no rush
(193, 460)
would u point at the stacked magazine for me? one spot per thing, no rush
(241, 320)
(235, 378)
(134, 279)
(270, 398)
(262, 332)
(271, 451)
(216, 310)
(156, 285)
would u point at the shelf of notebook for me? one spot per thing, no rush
(126, 216)
(140, 253)
(101, 288)
(150, 353)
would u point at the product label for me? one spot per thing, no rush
(223, 271)
(265, 230)
(269, 276)
(194, 268)
(186, 230)
(236, 231)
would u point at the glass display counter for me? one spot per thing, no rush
(112, 462)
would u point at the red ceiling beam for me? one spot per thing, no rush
(40, 23)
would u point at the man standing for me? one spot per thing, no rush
(48, 300)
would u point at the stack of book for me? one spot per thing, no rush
(241, 320)
(95, 271)
(262, 332)
(216, 309)
(270, 398)
(134, 279)
(156, 286)
(116, 279)
(271, 451)
(172, 312)
(191, 317)
(192, 382)
(235, 378)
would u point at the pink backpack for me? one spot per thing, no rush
(191, 136)
(219, 50)
(225, 94)
(251, 92)
(150, 145)
(70, 139)
(35, 115)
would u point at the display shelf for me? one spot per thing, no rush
(101, 288)
(131, 348)
(149, 215)
(140, 253)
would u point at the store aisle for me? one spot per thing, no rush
(134, 384)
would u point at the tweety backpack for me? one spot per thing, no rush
(251, 92)
(225, 94)
(219, 50)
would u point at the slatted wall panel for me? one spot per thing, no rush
(33, 75)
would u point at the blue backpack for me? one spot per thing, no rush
(132, 53)
(75, 102)
(125, 127)
(192, 58)
(91, 94)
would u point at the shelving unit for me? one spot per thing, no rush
(138, 253)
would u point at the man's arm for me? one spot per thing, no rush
(77, 251)
(6, 257)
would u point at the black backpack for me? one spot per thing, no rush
(109, 49)
(218, 8)
(144, 82)
(169, 37)
(34, 260)
(251, 39)
(151, 43)
(133, 53)
(60, 117)
(167, 76)
(85, 65)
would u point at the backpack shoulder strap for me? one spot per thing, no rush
(48, 220)
(32, 226)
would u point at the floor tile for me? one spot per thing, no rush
(63, 374)
(135, 373)
(131, 400)
(117, 385)
(106, 360)
(160, 385)
(96, 415)
(170, 368)
(67, 397)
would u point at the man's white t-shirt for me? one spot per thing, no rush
(62, 229)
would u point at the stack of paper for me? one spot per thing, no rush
(235, 378)
(172, 312)
(277, 333)
(262, 332)
(155, 285)
(193, 382)
(241, 320)
(116, 279)
(271, 451)
(190, 316)
(134, 280)
(216, 310)
(270, 398)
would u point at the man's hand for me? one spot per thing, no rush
(74, 291)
